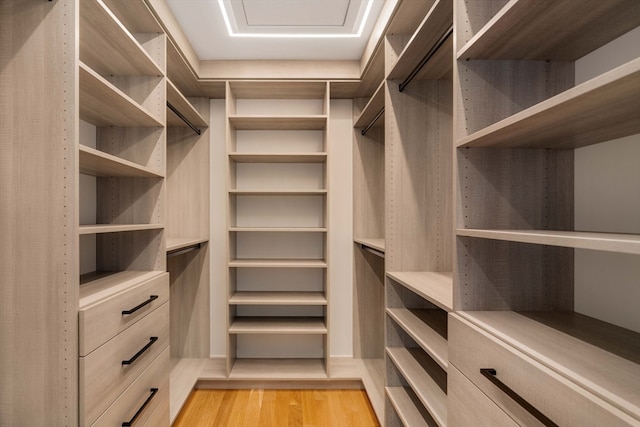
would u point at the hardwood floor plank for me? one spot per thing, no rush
(277, 408)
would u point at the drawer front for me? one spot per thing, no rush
(103, 376)
(156, 411)
(468, 406)
(562, 401)
(102, 321)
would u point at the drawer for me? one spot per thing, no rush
(103, 376)
(156, 411)
(562, 401)
(103, 319)
(468, 406)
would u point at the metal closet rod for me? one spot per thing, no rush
(426, 58)
(183, 118)
(373, 122)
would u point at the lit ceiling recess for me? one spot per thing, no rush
(296, 18)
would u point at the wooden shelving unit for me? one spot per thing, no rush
(97, 163)
(536, 229)
(277, 167)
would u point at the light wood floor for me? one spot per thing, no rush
(277, 408)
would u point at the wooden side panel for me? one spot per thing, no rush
(38, 219)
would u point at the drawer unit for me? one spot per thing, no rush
(147, 396)
(101, 318)
(107, 371)
(468, 406)
(561, 400)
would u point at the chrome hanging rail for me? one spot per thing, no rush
(426, 58)
(183, 118)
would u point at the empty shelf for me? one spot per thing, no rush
(610, 242)
(116, 228)
(279, 263)
(437, 287)
(278, 298)
(372, 109)
(182, 104)
(278, 122)
(424, 386)
(98, 163)
(279, 229)
(427, 328)
(407, 411)
(103, 104)
(278, 369)
(178, 243)
(601, 109)
(519, 30)
(275, 192)
(278, 325)
(376, 244)
(278, 157)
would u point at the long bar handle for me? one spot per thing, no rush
(491, 375)
(139, 306)
(142, 350)
(144, 405)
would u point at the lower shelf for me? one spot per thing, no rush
(184, 376)
(407, 410)
(278, 369)
(278, 325)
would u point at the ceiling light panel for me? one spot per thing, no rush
(295, 18)
(295, 13)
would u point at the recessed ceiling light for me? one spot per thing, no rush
(358, 33)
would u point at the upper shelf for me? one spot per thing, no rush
(278, 298)
(98, 163)
(278, 89)
(310, 122)
(108, 47)
(372, 110)
(522, 29)
(103, 104)
(600, 357)
(436, 24)
(601, 109)
(278, 263)
(376, 244)
(135, 15)
(279, 229)
(278, 157)
(436, 287)
(116, 228)
(277, 192)
(610, 242)
(182, 104)
(178, 243)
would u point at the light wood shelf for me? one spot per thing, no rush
(435, 24)
(178, 243)
(95, 287)
(424, 386)
(98, 163)
(372, 109)
(278, 369)
(279, 229)
(108, 47)
(376, 244)
(603, 108)
(519, 29)
(276, 192)
(610, 242)
(278, 325)
(309, 122)
(182, 104)
(601, 358)
(103, 104)
(407, 411)
(116, 228)
(134, 15)
(278, 298)
(436, 287)
(278, 157)
(184, 376)
(278, 263)
(422, 326)
(273, 89)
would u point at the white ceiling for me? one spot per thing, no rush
(277, 29)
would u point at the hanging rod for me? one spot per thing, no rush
(183, 118)
(426, 58)
(373, 122)
(185, 250)
(373, 251)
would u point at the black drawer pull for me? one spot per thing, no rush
(139, 306)
(142, 350)
(144, 405)
(490, 374)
